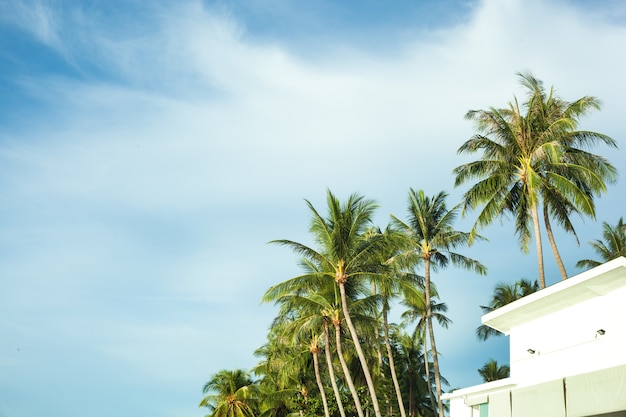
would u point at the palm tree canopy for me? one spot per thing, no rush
(344, 249)
(612, 246)
(491, 371)
(504, 294)
(229, 394)
(429, 233)
(533, 154)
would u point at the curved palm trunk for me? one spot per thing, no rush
(431, 332)
(542, 277)
(359, 350)
(346, 371)
(331, 371)
(555, 250)
(392, 365)
(318, 379)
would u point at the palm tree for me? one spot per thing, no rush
(504, 294)
(580, 175)
(415, 302)
(491, 371)
(534, 157)
(314, 348)
(389, 285)
(229, 394)
(431, 239)
(613, 245)
(346, 253)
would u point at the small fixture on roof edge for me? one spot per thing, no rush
(531, 351)
(601, 332)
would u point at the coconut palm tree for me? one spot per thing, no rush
(533, 153)
(580, 175)
(504, 294)
(345, 253)
(613, 245)
(491, 371)
(314, 348)
(229, 394)
(390, 284)
(415, 302)
(429, 238)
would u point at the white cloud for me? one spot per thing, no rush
(154, 190)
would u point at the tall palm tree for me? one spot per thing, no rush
(389, 285)
(229, 394)
(534, 156)
(580, 176)
(504, 294)
(491, 371)
(430, 238)
(314, 348)
(345, 253)
(613, 245)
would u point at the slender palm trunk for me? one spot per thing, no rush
(542, 277)
(331, 371)
(346, 371)
(318, 379)
(392, 365)
(359, 349)
(379, 354)
(431, 332)
(411, 394)
(555, 250)
(427, 368)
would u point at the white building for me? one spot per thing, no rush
(567, 352)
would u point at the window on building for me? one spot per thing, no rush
(480, 410)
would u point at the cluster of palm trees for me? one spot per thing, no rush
(331, 349)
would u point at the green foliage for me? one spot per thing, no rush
(331, 329)
(491, 371)
(504, 294)
(612, 246)
(533, 154)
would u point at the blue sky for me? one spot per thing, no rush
(150, 150)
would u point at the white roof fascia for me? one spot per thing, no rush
(592, 283)
(482, 389)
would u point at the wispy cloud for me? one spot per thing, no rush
(143, 190)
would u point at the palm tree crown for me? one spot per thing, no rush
(504, 294)
(491, 371)
(613, 245)
(229, 394)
